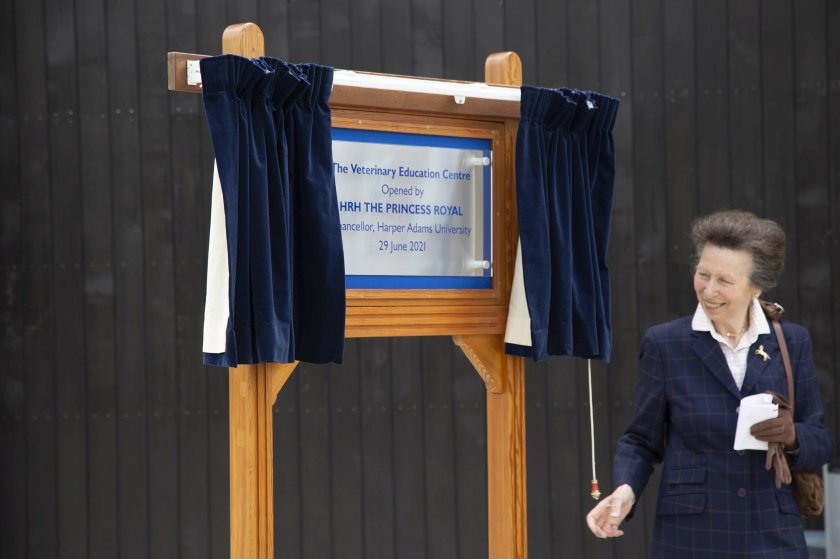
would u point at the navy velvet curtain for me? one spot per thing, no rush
(565, 170)
(270, 126)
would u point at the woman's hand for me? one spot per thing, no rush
(779, 429)
(605, 518)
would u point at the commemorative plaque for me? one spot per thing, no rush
(415, 209)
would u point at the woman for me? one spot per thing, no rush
(716, 502)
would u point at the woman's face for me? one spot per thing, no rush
(723, 286)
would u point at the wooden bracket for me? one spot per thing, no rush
(485, 354)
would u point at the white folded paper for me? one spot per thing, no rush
(754, 409)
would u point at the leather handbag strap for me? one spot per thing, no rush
(786, 360)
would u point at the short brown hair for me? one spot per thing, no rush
(740, 230)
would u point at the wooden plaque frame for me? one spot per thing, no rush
(475, 318)
(428, 312)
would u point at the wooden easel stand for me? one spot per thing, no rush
(477, 328)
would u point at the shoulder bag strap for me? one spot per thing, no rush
(785, 359)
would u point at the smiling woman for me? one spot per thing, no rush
(715, 501)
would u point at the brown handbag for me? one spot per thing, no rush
(807, 486)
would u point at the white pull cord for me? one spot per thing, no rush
(596, 493)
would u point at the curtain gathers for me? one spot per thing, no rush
(275, 282)
(565, 171)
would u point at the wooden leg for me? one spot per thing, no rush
(253, 390)
(506, 498)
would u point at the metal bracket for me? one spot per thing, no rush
(193, 73)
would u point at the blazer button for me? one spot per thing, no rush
(742, 492)
(741, 452)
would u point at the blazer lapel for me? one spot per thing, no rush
(708, 350)
(762, 352)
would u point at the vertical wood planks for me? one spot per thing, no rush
(69, 287)
(182, 399)
(426, 38)
(832, 394)
(190, 211)
(275, 22)
(336, 36)
(314, 447)
(489, 28)
(551, 63)
(304, 32)
(745, 116)
(469, 397)
(156, 166)
(287, 471)
(458, 40)
(397, 51)
(366, 27)
(538, 440)
(38, 480)
(129, 254)
(679, 86)
(11, 227)
(238, 10)
(12, 276)
(568, 470)
(96, 439)
(713, 148)
(377, 450)
(346, 455)
(159, 173)
(408, 479)
(439, 447)
(649, 169)
(778, 124)
(582, 37)
(812, 194)
(410, 472)
(269, 384)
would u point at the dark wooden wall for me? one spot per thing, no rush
(384, 456)
(113, 436)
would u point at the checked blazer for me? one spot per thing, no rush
(715, 502)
